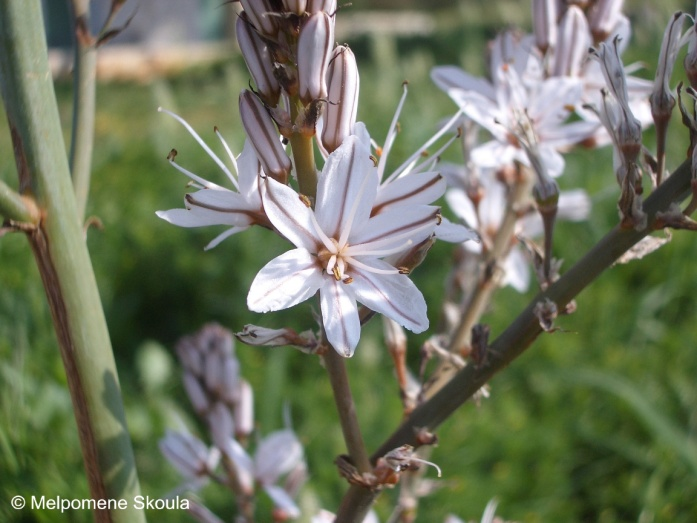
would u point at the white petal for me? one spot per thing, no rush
(574, 205)
(449, 77)
(393, 295)
(243, 464)
(221, 200)
(340, 317)
(200, 217)
(396, 226)
(277, 454)
(346, 189)
(248, 177)
(289, 214)
(285, 281)
(414, 189)
(462, 206)
(451, 232)
(282, 500)
(517, 271)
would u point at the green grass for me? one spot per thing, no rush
(595, 423)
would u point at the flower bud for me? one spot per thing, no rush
(258, 59)
(662, 101)
(190, 356)
(264, 137)
(295, 6)
(544, 21)
(221, 426)
(690, 61)
(243, 413)
(314, 49)
(603, 18)
(572, 43)
(197, 396)
(188, 454)
(260, 13)
(342, 98)
(315, 6)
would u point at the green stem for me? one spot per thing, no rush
(15, 208)
(520, 334)
(303, 158)
(64, 264)
(84, 103)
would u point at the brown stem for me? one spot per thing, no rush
(346, 408)
(520, 334)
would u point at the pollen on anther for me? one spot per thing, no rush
(172, 155)
(439, 219)
(305, 200)
(404, 270)
(337, 273)
(347, 280)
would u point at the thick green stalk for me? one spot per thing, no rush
(84, 103)
(519, 335)
(59, 248)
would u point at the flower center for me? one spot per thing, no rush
(332, 259)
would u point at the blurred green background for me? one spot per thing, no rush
(595, 423)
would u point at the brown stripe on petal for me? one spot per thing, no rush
(378, 208)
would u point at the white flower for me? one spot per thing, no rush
(487, 216)
(339, 250)
(277, 455)
(415, 181)
(190, 456)
(216, 205)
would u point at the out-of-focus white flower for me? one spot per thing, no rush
(512, 106)
(486, 219)
(190, 456)
(324, 516)
(213, 204)
(339, 247)
(277, 455)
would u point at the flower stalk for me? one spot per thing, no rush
(84, 103)
(521, 333)
(64, 264)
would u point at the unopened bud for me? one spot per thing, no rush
(221, 426)
(572, 43)
(690, 61)
(188, 454)
(314, 50)
(315, 6)
(342, 98)
(603, 18)
(297, 7)
(662, 101)
(197, 395)
(264, 137)
(546, 194)
(261, 14)
(258, 59)
(243, 413)
(544, 22)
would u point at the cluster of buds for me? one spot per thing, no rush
(213, 383)
(299, 76)
(219, 395)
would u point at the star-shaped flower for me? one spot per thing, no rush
(339, 247)
(217, 205)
